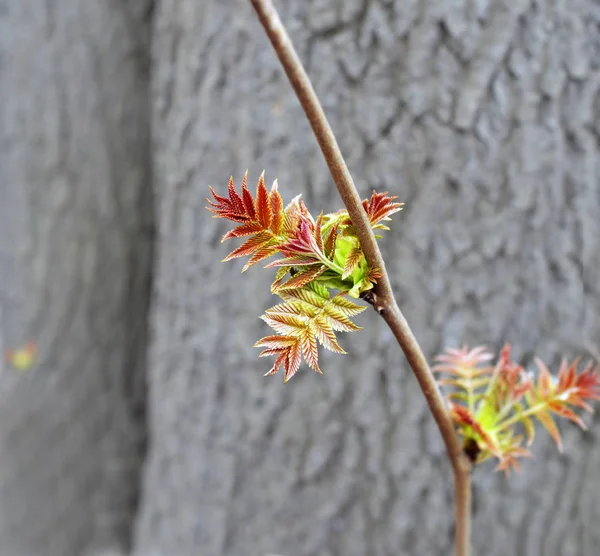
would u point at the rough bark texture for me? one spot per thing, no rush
(483, 117)
(75, 239)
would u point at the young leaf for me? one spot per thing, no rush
(301, 279)
(325, 334)
(551, 427)
(308, 314)
(352, 260)
(309, 350)
(329, 246)
(294, 260)
(261, 218)
(492, 401)
(247, 199)
(279, 277)
(250, 246)
(263, 252)
(264, 212)
(318, 256)
(276, 209)
(380, 207)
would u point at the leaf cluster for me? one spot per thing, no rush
(489, 402)
(318, 256)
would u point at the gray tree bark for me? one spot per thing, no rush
(75, 246)
(484, 118)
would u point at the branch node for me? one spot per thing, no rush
(370, 297)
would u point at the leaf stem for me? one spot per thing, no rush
(516, 418)
(331, 265)
(383, 299)
(470, 398)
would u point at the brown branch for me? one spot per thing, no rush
(462, 509)
(383, 299)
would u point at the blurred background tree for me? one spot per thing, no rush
(114, 116)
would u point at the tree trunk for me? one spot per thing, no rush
(483, 118)
(75, 238)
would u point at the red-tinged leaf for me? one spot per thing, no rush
(325, 334)
(464, 362)
(296, 260)
(584, 386)
(567, 375)
(580, 403)
(276, 209)
(303, 242)
(249, 246)
(290, 213)
(544, 383)
(509, 460)
(281, 360)
(236, 200)
(380, 207)
(588, 381)
(523, 387)
(302, 278)
(232, 208)
(238, 218)
(373, 274)
(463, 417)
(317, 232)
(305, 213)
(352, 261)
(279, 277)
(220, 200)
(263, 204)
(261, 254)
(292, 362)
(551, 427)
(246, 229)
(288, 325)
(272, 351)
(247, 198)
(567, 413)
(465, 357)
(310, 351)
(275, 342)
(330, 240)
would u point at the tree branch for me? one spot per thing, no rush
(383, 299)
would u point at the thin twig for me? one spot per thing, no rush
(383, 299)
(462, 510)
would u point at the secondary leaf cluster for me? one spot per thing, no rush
(318, 256)
(488, 402)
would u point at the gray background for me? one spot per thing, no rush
(147, 428)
